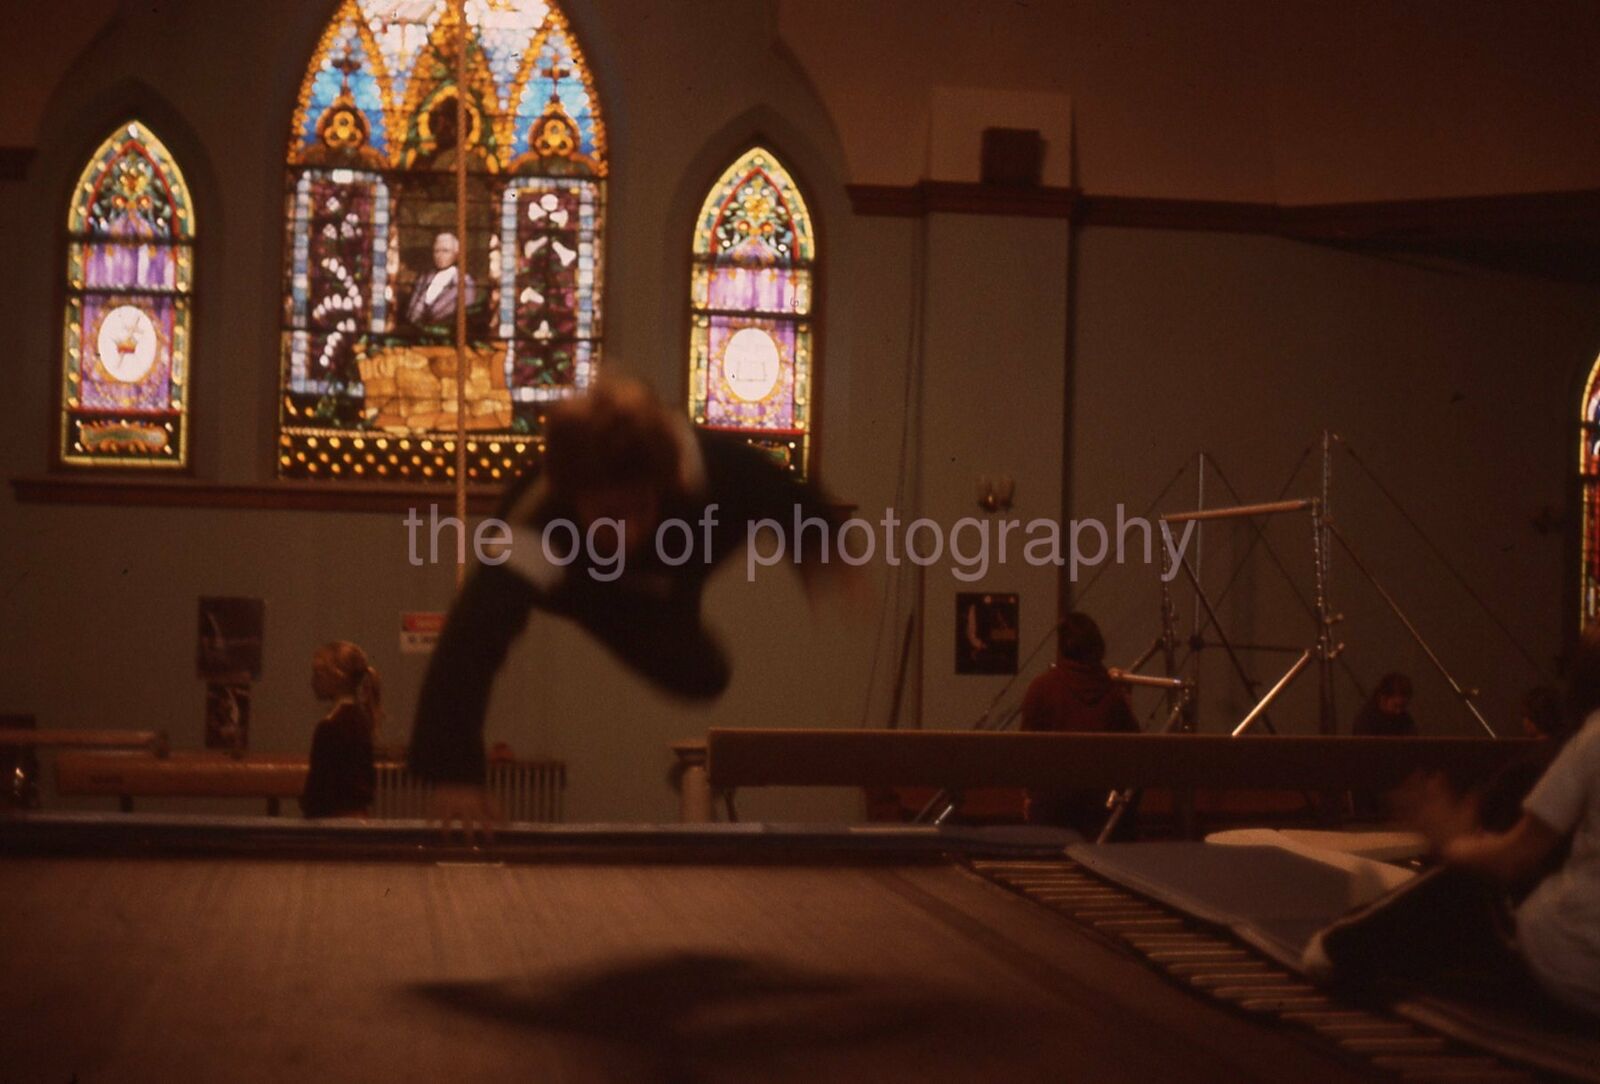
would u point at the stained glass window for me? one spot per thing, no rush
(375, 265)
(1589, 474)
(751, 360)
(130, 270)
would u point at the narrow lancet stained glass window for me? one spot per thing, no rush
(130, 271)
(751, 361)
(1589, 477)
(375, 266)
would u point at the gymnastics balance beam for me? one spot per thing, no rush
(962, 760)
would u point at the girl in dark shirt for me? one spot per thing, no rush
(1387, 712)
(341, 779)
(1076, 695)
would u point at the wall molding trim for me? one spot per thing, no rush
(270, 496)
(109, 489)
(1350, 222)
(957, 197)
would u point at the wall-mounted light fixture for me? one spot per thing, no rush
(994, 494)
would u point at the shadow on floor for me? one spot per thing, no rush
(684, 1017)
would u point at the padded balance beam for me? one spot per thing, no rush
(151, 740)
(961, 760)
(181, 775)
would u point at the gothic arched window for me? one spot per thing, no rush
(130, 274)
(751, 361)
(374, 263)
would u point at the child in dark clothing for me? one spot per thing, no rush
(1076, 695)
(1387, 712)
(342, 779)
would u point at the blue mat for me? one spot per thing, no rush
(1274, 900)
(1268, 897)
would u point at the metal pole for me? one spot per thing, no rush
(1144, 657)
(1466, 695)
(1199, 537)
(461, 284)
(1222, 637)
(1321, 516)
(1266, 508)
(1149, 681)
(1120, 801)
(1259, 711)
(1195, 650)
(1169, 619)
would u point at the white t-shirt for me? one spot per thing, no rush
(1558, 925)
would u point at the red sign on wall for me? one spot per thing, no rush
(419, 631)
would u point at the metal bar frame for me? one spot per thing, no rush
(1467, 696)
(1242, 511)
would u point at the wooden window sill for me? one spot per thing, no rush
(121, 490)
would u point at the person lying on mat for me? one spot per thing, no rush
(619, 464)
(1450, 913)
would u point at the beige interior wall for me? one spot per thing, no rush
(1242, 100)
(1457, 387)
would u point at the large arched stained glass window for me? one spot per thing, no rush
(1589, 476)
(374, 263)
(130, 270)
(751, 361)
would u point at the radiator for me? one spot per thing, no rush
(524, 790)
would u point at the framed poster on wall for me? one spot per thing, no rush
(986, 633)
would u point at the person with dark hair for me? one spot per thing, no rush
(1542, 714)
(1075, 695)
(617, 464)
(1457, 912)
(341, 778)
(1499, 801)
(1386, 712)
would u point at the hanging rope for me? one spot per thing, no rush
(909, 418)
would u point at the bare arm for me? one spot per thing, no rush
(1507, 857)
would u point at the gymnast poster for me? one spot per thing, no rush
(986, 633)
(228, 641)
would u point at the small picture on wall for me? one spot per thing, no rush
(228, 645)
(227, 717)
(986, 633)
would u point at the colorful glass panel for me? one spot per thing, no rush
(1589, 478)
(125, 342)
(751, 288)
(374, 268)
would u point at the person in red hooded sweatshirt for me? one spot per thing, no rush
(1075, 695)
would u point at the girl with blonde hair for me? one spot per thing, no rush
(342, 778)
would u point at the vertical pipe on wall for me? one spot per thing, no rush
(461, 284)
(913, 456)
(1069, 377)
